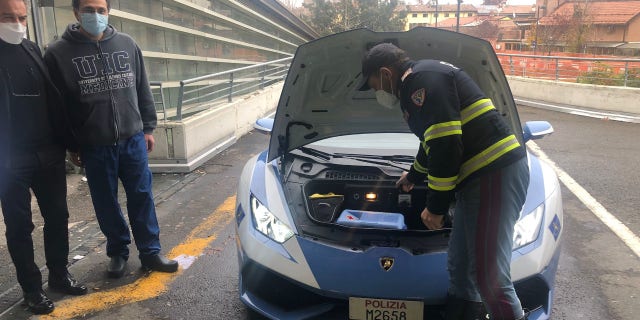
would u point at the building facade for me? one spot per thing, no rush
(431, 15)
(183, 39)
(598, 27)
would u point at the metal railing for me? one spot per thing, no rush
(157, 90)
(218, 87)
(601, 71)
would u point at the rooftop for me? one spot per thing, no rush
(604, 12)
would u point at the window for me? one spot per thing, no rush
(469, 14)
(424, 15)
(180, 43)
(156, 69)
(177, 16)
(146, 8)
(415, 15)
(446, 15)
(147, 38)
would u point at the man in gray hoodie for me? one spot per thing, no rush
(101, 74)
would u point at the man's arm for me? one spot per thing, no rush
(146, 104)
(58, 103)
(442, 138)
(418, 170)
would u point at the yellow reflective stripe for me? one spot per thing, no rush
(442, 184)
(476, 109)
(425, 147)
(443, 129)
(487, 156)
(419, 167)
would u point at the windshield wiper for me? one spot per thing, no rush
(393, 158)
(373, 159)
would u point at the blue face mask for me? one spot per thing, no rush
(94, 23)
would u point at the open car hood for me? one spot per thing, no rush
(320, 97)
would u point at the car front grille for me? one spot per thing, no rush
(353, 176)
(288, 295)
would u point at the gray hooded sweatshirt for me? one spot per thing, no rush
(104, 85)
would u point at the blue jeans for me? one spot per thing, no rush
(480, 247)
(127, 161)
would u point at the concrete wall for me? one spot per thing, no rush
(183, 146)
(604, 98)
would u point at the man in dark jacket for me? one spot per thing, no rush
(101, 74)
(32, 157)
(467, 153)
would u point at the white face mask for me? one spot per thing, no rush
(386, 99)
(12, 32)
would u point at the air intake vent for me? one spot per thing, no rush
(339, 175)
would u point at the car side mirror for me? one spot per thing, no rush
(264, 125)
(536, 130)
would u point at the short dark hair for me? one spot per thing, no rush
(381, 55)
(76, 4)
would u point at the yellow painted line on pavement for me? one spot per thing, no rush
(157, 282)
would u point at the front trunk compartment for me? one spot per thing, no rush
(379, 196)
(351, 183)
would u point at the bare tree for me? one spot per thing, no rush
(331, 17)
(580, 27)
(570, 28)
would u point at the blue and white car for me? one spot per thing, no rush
(334, 151)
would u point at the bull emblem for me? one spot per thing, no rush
(386, 263)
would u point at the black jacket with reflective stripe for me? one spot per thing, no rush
(462, 135)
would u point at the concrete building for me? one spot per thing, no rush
(183, 39)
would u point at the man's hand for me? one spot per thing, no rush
(75, 159)
(404, 183)
(432, 221)
(148, 138)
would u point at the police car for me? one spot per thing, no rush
(321, 228)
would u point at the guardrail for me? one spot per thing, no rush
(225, 85)
(600, 71)
(157, 90)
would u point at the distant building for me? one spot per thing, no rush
(431, 15)
(513, 22)
(608, 27)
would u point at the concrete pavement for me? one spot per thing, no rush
(86, 242)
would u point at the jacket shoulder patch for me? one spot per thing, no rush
(418, 96)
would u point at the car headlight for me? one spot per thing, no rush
(527, 229)
(268, 224)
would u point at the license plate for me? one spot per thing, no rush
(383, 309)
